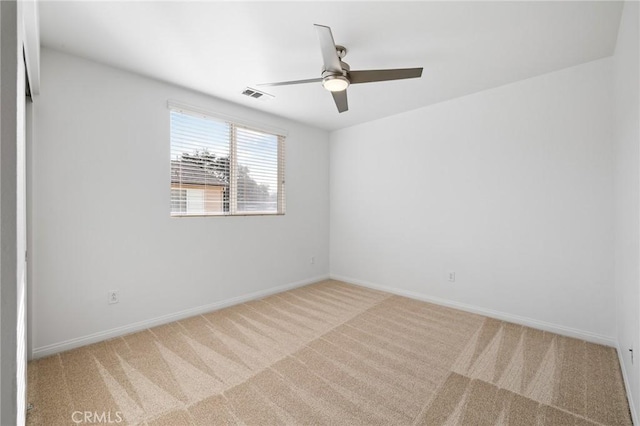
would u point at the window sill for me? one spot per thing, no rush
(179, 216)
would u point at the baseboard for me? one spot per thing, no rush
(625, 378)
(54, 348)
(529, 322)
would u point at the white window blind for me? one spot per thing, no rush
(219, 167)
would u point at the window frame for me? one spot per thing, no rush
(234, 124)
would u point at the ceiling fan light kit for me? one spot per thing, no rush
(337, 75)
(335, 83)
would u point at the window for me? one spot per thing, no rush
(220, 167)
(178, 200)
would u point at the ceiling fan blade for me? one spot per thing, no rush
(328, 49)
(340, 98)
(370, 76)
(286, 83)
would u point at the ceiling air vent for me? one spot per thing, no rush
(256, 94)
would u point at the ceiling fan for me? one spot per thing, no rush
(337, 75)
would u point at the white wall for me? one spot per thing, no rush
(627, 191)
(511, 188)
(100, 210)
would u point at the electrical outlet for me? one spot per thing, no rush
(451, 276)
(113, 297)
(313, 260)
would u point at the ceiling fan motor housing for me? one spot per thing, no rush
(335, 81)
(345, 70)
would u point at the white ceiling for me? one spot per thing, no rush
(219, 48)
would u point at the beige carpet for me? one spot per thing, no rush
(332, 353)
